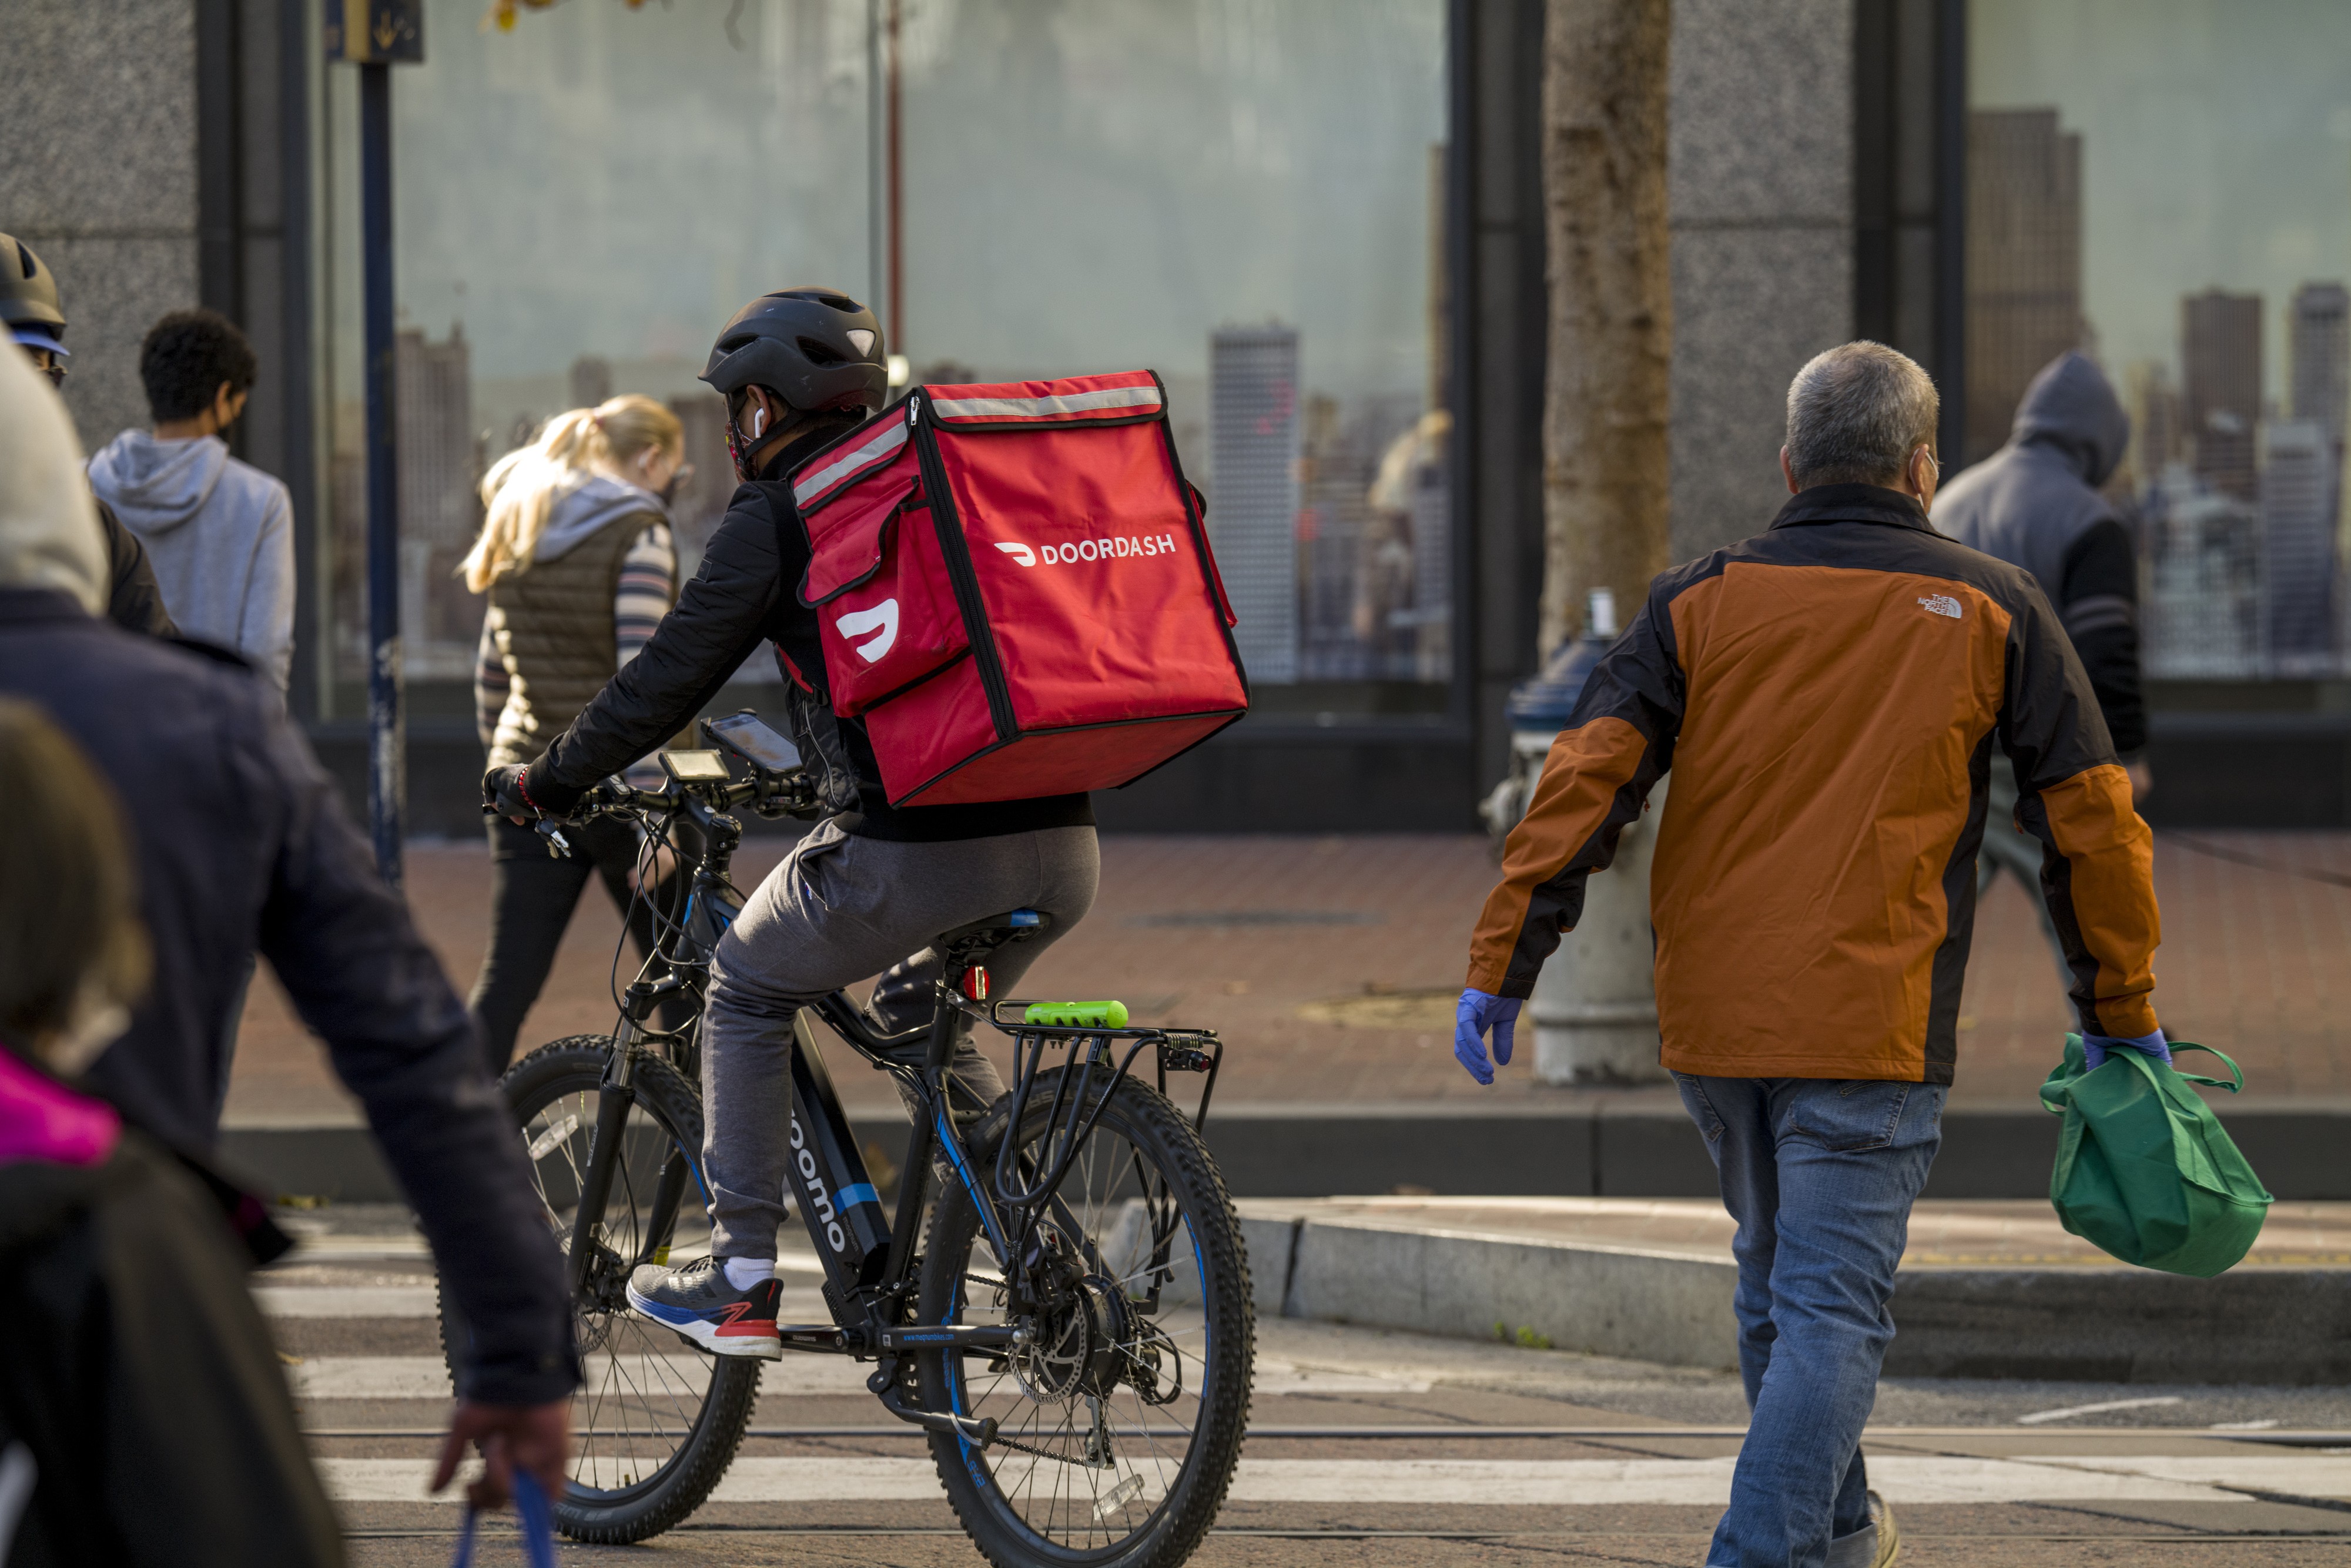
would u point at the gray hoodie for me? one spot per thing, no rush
(582, 512)
(2036, 504)
(220, 534)
(2031, 500)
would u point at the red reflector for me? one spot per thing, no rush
(974, 984)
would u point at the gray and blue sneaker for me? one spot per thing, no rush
(697, 1301)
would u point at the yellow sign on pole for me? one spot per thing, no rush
(375, 31)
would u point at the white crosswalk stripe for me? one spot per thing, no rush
(346, 1300)
(1551, 1483)
(425, 1377)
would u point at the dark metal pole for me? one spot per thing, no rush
(876, 269)
(896, 327)
(387, 751)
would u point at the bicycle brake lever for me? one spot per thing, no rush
(557, 846)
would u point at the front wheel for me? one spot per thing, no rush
(658, 1418)
(1120, 1411)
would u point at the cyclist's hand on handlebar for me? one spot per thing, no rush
(513, 794)
(1477, 1013)
(533, 1438)
(502, 793)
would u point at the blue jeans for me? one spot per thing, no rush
(1820, 1173)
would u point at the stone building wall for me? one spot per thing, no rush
(97, 116)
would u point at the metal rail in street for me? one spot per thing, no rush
(2309, 1440)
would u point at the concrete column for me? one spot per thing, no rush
(1760, 179)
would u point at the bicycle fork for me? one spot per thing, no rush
(616, 1097)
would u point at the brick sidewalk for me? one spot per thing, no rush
(1330, 963)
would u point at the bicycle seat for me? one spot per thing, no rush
(1010, 926)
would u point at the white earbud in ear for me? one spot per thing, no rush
(758, 424)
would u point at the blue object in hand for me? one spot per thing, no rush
(2094, 1048)
(1477, 1013)
(537, 1525)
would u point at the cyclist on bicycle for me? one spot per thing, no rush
(872, 884)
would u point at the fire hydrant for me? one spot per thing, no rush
(1595, 1003)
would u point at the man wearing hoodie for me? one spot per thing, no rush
(219, 532)
(2036, 504)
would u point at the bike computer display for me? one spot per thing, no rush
(694, 767)
(742, 734)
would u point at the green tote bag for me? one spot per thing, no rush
(2145, 1170)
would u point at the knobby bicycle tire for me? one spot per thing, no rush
(1154, 1128)
(661, 1499)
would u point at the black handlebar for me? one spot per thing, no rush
(769, 793)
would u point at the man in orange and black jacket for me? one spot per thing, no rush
(1827, 695)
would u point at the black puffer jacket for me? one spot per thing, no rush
(139, 1379)
(133, 602)
(745, 593)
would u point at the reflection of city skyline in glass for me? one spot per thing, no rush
(582, 202)
(2167, 185)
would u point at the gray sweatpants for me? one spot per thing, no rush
(836, 911)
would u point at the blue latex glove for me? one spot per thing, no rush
(1477, 1013)
(2094, 1048)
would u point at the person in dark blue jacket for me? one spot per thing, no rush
(242, 844)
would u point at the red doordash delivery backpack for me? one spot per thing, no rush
(1014, 590)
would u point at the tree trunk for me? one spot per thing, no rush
(1605, 487)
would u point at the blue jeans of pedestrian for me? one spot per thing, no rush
(1820, 1173)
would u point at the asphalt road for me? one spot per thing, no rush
(1534, 1456)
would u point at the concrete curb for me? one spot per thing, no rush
(1604, 1146)
(1596, 1147)
(2093, 1324)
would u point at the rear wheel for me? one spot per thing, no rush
(657, 1418)
(1119, 1415)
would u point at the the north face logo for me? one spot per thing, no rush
(1940, 604)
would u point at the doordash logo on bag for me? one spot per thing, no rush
(882, 620)
(1116, 548)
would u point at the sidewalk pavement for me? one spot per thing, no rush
(1331, 965)
(1985, 1289)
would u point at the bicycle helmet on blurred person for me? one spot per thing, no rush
(815, 348)
(29, 304)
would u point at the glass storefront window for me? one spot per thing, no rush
(1244, 198)
(2167, 185)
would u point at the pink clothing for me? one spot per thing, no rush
(41, 1119)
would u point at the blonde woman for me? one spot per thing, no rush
(576, 557)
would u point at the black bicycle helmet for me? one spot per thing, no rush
(28, 292)
(811, 346)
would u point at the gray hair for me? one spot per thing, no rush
(1854, 415)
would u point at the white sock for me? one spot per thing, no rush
(744, 1272)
